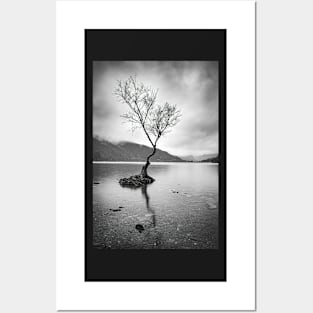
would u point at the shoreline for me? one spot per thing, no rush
(154, 162)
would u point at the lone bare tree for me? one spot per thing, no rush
(154, 119)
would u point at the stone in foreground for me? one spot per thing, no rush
(136, 181)
(140, 228)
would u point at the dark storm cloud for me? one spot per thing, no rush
(191, 85)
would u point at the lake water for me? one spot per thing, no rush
(177, 211)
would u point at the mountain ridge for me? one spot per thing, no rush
(126, 151)
(104, 150)
(198, 158)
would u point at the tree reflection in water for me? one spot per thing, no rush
(155, 233)
(149, 229)
(147, 198)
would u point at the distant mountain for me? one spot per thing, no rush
(104, 150)
(189, 158)
(197, 158)
(212, 160)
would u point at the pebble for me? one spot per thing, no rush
(140, 228)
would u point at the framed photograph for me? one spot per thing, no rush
(155, 155)
(155, 148)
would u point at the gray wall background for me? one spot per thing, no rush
(284, 155)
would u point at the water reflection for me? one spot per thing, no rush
(149, 209)
(144, 192)
(180, 206)
(155, 235)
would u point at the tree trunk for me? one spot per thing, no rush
(144, 171)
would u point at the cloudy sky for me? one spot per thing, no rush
(191, 85)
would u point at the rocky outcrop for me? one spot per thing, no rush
(136, 181)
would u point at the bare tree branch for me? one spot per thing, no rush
(155, 120)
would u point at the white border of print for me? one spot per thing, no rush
(238, 293)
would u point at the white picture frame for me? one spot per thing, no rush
(238, 292)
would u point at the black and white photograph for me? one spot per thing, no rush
(155, 165)
(155, 155)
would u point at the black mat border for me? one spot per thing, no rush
(155, 265)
